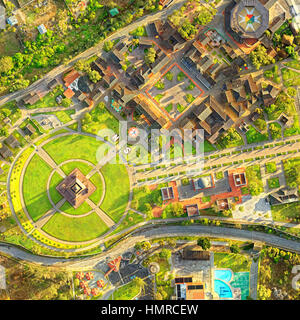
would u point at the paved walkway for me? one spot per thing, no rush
(104, 217)
(254, 279)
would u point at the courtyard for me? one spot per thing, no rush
(175, 91)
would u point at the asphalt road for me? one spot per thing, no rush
(152, 233)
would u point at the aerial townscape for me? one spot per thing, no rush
(88, 215)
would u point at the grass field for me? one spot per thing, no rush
(130, 220)
(35, 187)
(73, 147)
(55, 181)
(82, 209)
(254, 136)
(286, 212)
(97, 182)
(75, 229)
(126, 292)
(85, 168)
(117, 190)
(234, 261)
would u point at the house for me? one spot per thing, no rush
(211, 117)
(52, 84)
(140, 76)
(2, 18)
(152, 29)
(240, 94)
(167, 193)
(31, 98)
(29, 130)
(285, 120)
(192, 210)
(12, 142)
(172, 40)
(269, 94)
(109, 81)
(283, 195)
(5, 152)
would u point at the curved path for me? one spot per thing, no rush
(152, 233)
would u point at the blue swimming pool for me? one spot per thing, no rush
(222, 289)
(223, 274)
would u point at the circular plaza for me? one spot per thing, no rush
(64, 194)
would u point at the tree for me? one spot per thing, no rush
(165, 254)
(108, 45)
(141, 283)
(6, 64)
(82, 65)
(150, 56)
(261, 124)
(259, 57)
(234, 248)
(66, 102)
(94, 76)
(204, 243)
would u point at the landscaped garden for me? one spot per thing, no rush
(78, 151)
(254, 136)
(234, 261)
(273, 183)
(286, 212)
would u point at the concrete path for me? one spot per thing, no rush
(103, 216)
(254, 279)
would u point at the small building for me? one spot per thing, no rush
(202, 183)
(29, 130)
(223, 204)
(285, 119)
(283, 195)
(192, 210)
(195, 253)
(113, 12)
(31, 98)
(239, 179)
(52, 84)
(167, 193)
(12, 142)
(42, 29)
(12, 21)
(5, 152)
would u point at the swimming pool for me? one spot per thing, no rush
(222, 289)
(223, 274)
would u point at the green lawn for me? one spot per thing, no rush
(180, 107)
(271, 167)
(273, 183)
(85, 168)
(208, 147)
(117, 190)
(286, 212)
(82, 209)
(295, 64)
(126, 292)
(130, 220)
(74, 146)
(253, 136)
(97, 182)
(234, 261)
(55, 181)
(169, 107)
(101, 119)
(229, 140)
(35, 187)
(75, 229)
(290, 77)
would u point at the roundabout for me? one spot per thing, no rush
(50, 212)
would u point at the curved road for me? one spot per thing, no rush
(195, 230)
